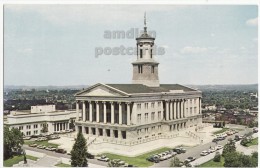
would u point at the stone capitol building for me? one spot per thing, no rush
(145, 109)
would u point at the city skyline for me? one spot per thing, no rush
(55, 44)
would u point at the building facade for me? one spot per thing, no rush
(32, 122)
(143, 109)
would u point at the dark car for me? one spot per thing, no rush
(179, 150)
(61, 151)
(153, 159)
(90, 156)
(215, 140)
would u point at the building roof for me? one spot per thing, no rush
(140, 88)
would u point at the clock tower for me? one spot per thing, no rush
(145, 68)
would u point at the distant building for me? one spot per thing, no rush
(210, 108)
(31, 122)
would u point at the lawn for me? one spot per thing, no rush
(63, 165)
(220, 131)
(140, 160)
(16, 159)
(46, 143)
(211, 163)
(253, 142)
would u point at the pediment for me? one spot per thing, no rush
(102, 91)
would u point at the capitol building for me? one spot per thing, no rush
(145, 109)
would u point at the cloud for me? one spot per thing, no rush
(252, 22)
(193, 50)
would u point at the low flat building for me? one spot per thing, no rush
(31, 122)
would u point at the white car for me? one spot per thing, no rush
(103, 158)
(204, 153)
(211, 150)
(219, 147)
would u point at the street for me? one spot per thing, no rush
(51, 153)
(195, 151)
(192, 151)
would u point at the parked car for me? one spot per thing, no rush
(220, 138)
(41, 146)
(215, 140)
(33, 145)
(90, 156)
(190, 159)
(103, 158)
(179, 150)
(26, 138)
(204, 153)
(219, 147)
(255, 130)
(59, 150)
(154, 158)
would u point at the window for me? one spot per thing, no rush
(146, 130)
(28, 126)
(35, 126)
(152, 105)
(151, 54)
(138, 131)
(159, 104)
(20, 127)
(195, 109)
(146, 105)
(159, 127)
(141, 53)
(152, 69)
(190, 110)
(139, 118)
(138, 106)
(28, 133)
(191, 102)
(159, 115)
(146, 117)
(140, 69)
(153, 113)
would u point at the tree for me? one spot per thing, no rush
(114, 163)
(79, 152)
(232, 160)
(175, 162)
(230, 147)
(13, 141)
(217, 157)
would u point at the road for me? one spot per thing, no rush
(54, 154)
(195, 151)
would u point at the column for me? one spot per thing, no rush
(105, 112)
(97, 111)
(120, 113)
(112, 113)
(184, 108)
(83, 111)
(174, 109)
(181, 109)
(167, 110)
(200, 106)
(128, 114)
(90, 111)
(119, 134)
(171, 111)
(178, 109)
(112, 133)
(188, 107)
(77, 110)
(104, 132)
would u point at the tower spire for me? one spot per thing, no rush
(145, 28)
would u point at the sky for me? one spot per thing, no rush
(58, 44)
